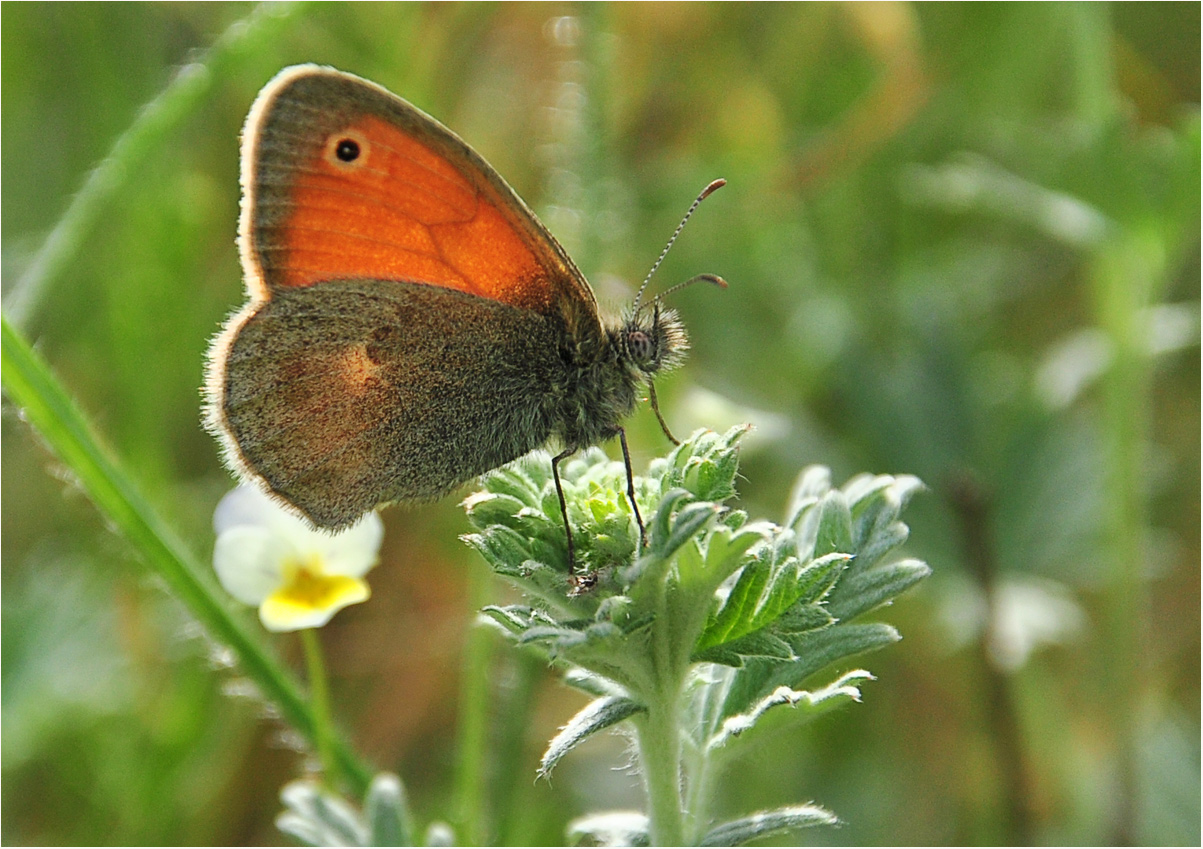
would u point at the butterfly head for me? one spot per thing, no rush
(653, 340)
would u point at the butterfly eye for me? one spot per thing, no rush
(346, 150)
(640, 346)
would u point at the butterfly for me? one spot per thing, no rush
(411, 324)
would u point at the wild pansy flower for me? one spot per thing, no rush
(297, 576)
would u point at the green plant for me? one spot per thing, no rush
(699, 636)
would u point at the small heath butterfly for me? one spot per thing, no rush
(411, 324)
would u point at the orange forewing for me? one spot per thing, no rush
(416, 204)
(405, 213)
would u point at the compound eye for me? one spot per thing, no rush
(640, 346)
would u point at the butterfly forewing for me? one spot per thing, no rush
(347, 180)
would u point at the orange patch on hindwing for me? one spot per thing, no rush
(357, 370)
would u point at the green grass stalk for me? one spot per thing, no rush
(157, 120)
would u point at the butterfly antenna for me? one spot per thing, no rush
(709, 278)
(706, 192)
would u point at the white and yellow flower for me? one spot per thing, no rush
(297, 576)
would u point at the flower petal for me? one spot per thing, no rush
(247, 505)
(353, 551)
(299, 576)
(250, 561)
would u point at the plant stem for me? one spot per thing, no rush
(659, 738)
(699, 771)
(659, 732)
(972, 507)
(1092, 61)
(516, 701)
(1125, 275)
(319, 702)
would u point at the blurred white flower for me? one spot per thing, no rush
(1027, 614)
(297, 576)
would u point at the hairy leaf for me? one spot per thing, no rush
(595, 716)
(806, 705)
(741, 831)
(612, 828)
(386, 812)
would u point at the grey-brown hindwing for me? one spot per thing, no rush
(350, 394)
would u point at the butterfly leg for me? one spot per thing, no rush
(626, 456)
(555, 473)
(651, 395)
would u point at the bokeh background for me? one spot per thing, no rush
(962, 242)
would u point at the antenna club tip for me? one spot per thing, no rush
(713, 187)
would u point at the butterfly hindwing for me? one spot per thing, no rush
(363, 392)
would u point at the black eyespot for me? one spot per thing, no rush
(347, 150)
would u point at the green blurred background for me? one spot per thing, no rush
(962, 242)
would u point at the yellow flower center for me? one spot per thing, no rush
(309, 597)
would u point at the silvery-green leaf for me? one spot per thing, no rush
(301, 829)
(613, 828)
(862, 592)
(834, 531)
(500, 545)
(811, 485)
(814, 650)
(802, 618)
(817, 578)
(740, 831)
(564, 637)
(516, 481)
(386, 812)
(759, 644)
(865, 486)
(705, 464)
(724, 555)
(595, 716)
(439, 834)
(876, 504)
(660, 524)
(592, 683)
(489, 508)
(725, 546)
(763, 605)
(691, 519)
(512, 619)
(318, 818)
(805, 703)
